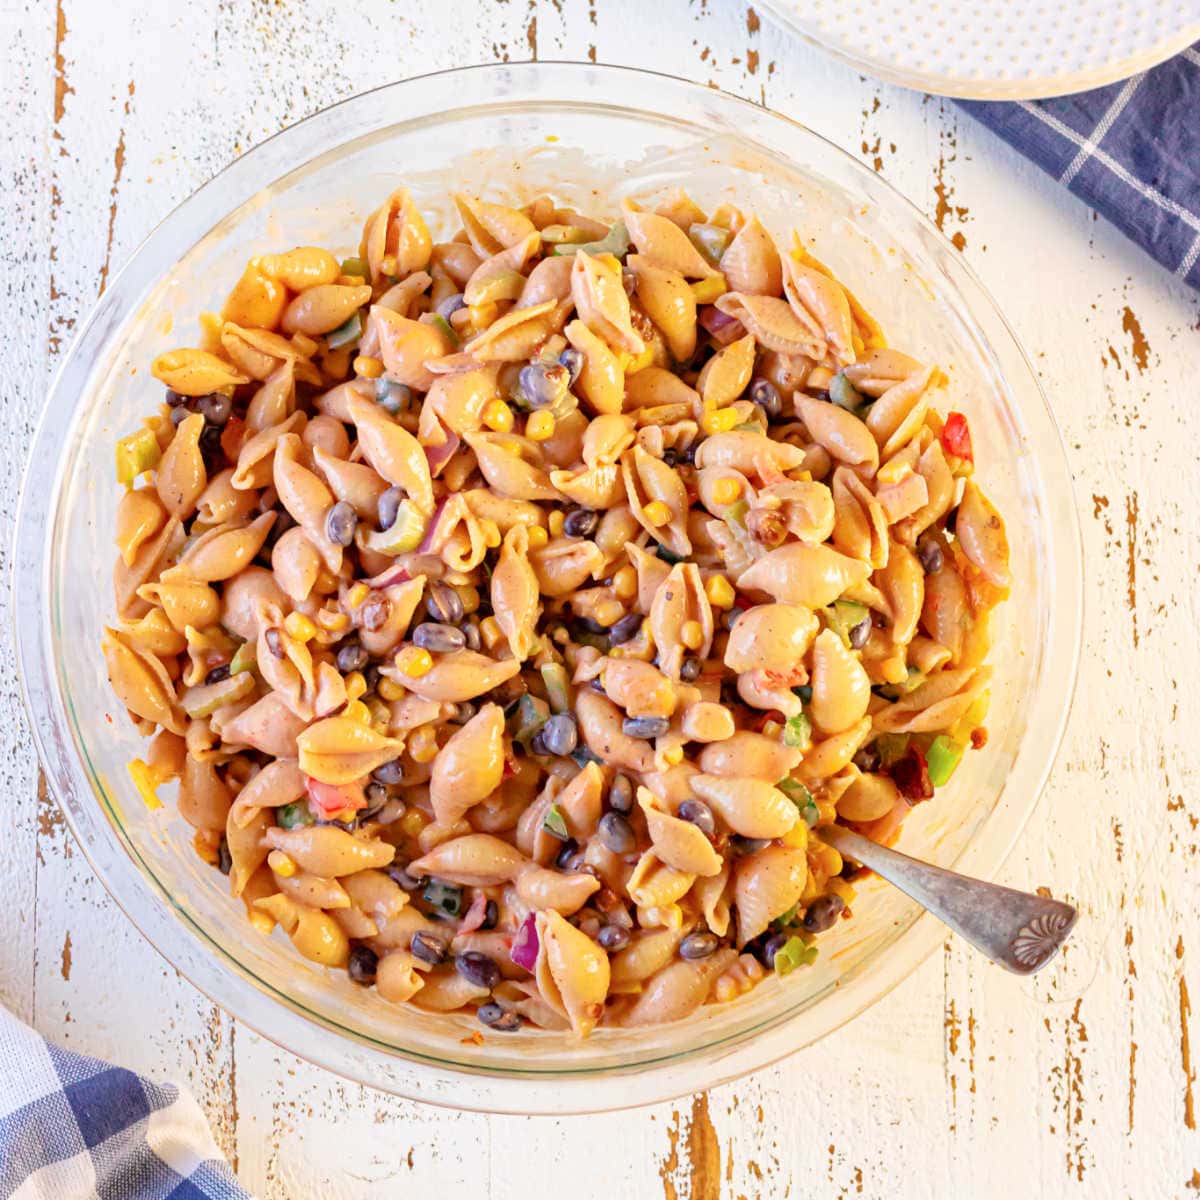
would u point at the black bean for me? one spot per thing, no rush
(699, 814)
(570, 848)
(215, 408)
(478, 968)
(613, 938)
(428, 947)
(471, 633)
(351, 657)
(690, 668)
(175, 399)
(374, 613)
(931, 556)
(392, 397)
(390, 773)
(645, 727)
(823, 912)
(450, 306)
(560, 734)
(377, 797)
(620, 794)
(389, 507)
(371, 675)
(179, 415)
(570, 358)
(224, 858)
(463, 712)
(626, 629)
(218, 674)
(580, 522)
(210, 443)
(441, 639)
(362, 965)
(543, 385)
(617, 833)
(950, 520)
(860, 633)
(746, 845)
(491, 914)
(340, 523)
(537, 744)
(698, 945)
(410, 883)
(444, 604)
(503, 1020)
(765, 394)
(730, 619)
(771, 947)
(867, 759)
(274, 642)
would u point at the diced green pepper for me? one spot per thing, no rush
(891, 747)
(794, 953)
(843, 393)
(737, 512)
(137, 454)
(555, 824)
(245, 659)
(802, 798)
(558, 690)
(347, 333)
(615, 242)
(445, 328)
(204, 699)
(843, 615)
(788, 917)
(942, 758)
(710, 240)
(445, 897)
(797, 731)
(531, 714)
(404, 535)
(293, 816)
(354, 266)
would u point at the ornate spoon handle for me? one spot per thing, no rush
(1020, 931)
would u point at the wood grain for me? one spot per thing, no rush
(965, 1082)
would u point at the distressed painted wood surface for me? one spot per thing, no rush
(965, 1082)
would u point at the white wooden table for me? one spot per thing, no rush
(966, 1082)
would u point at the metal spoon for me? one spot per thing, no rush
(1020, 931)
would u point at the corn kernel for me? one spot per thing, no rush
(356, 710)
(482, 315)
(491, 533)
(537, 536)
(388, 264)
(719, 591)
(381, 715)
(727, 490)
(368, 367)
(469, 596)
(356, 684)
(143, 779)
(719, 420)
(557, 520)
(332, 620)
(498, 417)
(692, 635)
(422, 745)
(357, 594)
(625, 583)
(413, 822)
(672, 756)
(796, 838)
(540, 426)
(389, 689)
(299, 627)
(608, 611)
(639, 362)
(305, 344)
(726, 990)
(657, 513)
(281, 864)
(262, 922)
(772, 728)
(414, 661)
(490, 631)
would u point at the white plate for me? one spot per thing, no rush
(998, 50)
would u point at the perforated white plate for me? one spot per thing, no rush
(997, 50)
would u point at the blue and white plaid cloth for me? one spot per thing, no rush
(75, 1128)
(1130, 150)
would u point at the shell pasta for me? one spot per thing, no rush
(512, 612)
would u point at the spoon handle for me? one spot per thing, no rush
(1019, 930)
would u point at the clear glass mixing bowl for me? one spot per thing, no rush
(588, 134)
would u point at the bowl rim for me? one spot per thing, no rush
(507, 1093)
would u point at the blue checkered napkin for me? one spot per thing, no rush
(1131, 150)
(75, 1128)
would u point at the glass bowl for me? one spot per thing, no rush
(588, 134)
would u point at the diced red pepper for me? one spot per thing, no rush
(510, 766)
(910, 774)
(231, 437)
(329, 798)
(956, 437)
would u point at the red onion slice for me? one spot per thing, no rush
(525, 945)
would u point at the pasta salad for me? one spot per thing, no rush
(513, 611)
